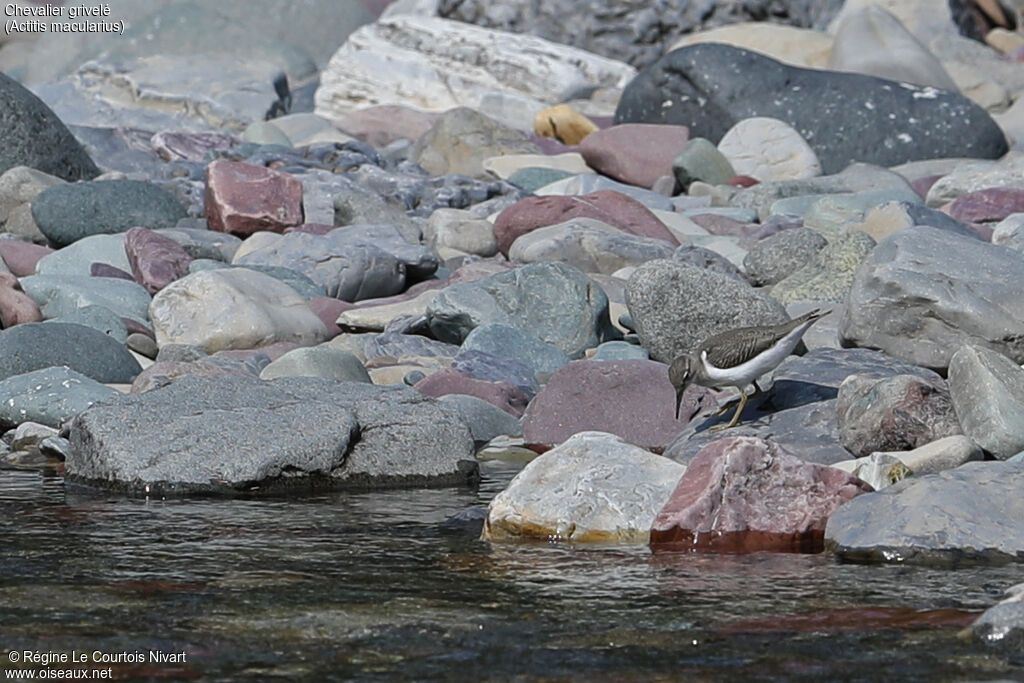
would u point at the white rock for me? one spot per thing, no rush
(460, 230)
(942, 454)
(1009, 232)
(375, 318)
(925, 19)
(977, 175)
(594, 488)
(436, 64)
(507, 164)
(232, 308)
(878, 469)
(1012, 123)
(19, 185)
(769, 149)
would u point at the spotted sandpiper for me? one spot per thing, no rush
(736, 358)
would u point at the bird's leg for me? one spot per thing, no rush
(736, 415)
(757, 390)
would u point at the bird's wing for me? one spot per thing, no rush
(741, 345)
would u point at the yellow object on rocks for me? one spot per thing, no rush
(563, 123)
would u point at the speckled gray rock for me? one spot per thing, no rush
(591, 245)
(231, 434)
(709, 87)
(987, 389)
(98, 318)
(34, 136)
(506, 341)
(830, 273)
(675, 306)
(67, 213)
(555, 301)
(485, 420)
(317, 361)
(936, 518)
(59, 295)
(48, 396)
(34, 346)
(1002, 625)
(782, 254)
(462, 138)
(921, 294)
(706, 259)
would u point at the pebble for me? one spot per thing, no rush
(242, 199)
(634, 153)
(830, 272)
(701, 160)
(768, 149)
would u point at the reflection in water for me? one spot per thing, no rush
(376, 585)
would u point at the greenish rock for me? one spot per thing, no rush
(701, 160)
(98, 318)
(265, 133)
(776, 257)
(318, 361)
(619, 350)
(829, 276)
(532, 178)
(736, 213)
(795, 206)
(67, 213)
(61, 295)
(77, 259)
(505, 341)
(48, 396)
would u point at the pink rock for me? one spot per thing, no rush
(632, 399)
(742, 181)
(100, 269)
(723, 225)
(313, 228)
(156, 259)
(923, 184)
(171, 145)
(135, 327)
(609, 206)
(243, 199)
(992, 204)
(451, 381)
(745, 494)
(636, 153)
(162, 373)
(383, 124)
(16, 306)
(21, 257)
(327, 308)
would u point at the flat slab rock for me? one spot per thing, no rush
(971, 513)
(235, 435)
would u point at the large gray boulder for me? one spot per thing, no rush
(972, 512)
(228, 435)
(987, 390)
(48, 396)
(922, 293)
(35, 346)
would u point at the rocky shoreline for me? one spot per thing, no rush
(441, 242)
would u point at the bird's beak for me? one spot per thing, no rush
(679, 400)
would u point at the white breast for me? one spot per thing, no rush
(744, 374)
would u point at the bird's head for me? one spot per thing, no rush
(680, 373)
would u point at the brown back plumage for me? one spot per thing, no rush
(746, 342)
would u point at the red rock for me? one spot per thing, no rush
(100, 269)
(451, 381)
(156, 259)
(383, 124)
(327, 308)
(21, 257)
(745, 494)
(609, 206)
(135, 327)
(243, 199)
(632, 399)
(313, 228)
(742, 181)
(635, 153)
(16, 306)
(923, 184)
(992, 204)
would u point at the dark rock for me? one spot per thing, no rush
(710, 87)
(156, 260)
(48, 396)
(98, 318)
(1002, 625)
(399, 345)
(630, 398)
(296, 433)
(164, 372)
(242, 199)
(967, 514)
(35, 346)
(743, 494)
(707, 259)
(505, 341)
(33, 136)
(67, 213)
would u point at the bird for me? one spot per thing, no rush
(737, 357)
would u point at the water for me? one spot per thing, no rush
(373, 586)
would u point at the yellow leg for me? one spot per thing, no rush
(736, 415)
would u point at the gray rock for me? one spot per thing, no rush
(397, 345)
(782, 254)
(18, 187)
(890, 217)
(710, 87)
(318, 361)
(921, 294)
(77, 259)
(204, 244)
(555, 301)
(619, 350)
(1002, 625)
(830, 273)
(62, 295)
(67, 213)
(701, 160)
(48, 396)
(591, 245)
(355, 205)
(485, 420)
(675, 306)
(462, 138)
(936, 518)
(587, 183)
(460, 230)
(506, 341)
(987, 390)
(35, 346)
(98, 318)
(896, 413)
(1009, 232)
(34, 136)
(707, 259)
(490, 368)
(231, 435)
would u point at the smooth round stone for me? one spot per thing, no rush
(619, 350)
(505, 341)
(142, 344)
(60, 295)
(701, 160)
(491, 368)
(634, 153)
(1009, 232)
(708, 259)
(461, 230)
(829, 275)
(768, 149)
(317, 361)
(34, 346)
(533, 178)
(18, 187)
(782, 254)
(48, 396)
(67, 213)
(588, 183)
(486, 421)
(77, 259)
(265, 133)
(98, 318)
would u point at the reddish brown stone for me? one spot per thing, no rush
(100, 269)
(21, 257)
(327, 308)
(156, 259)
(16, 306)
(451, 381)
(632, 399)
(609, 206)
(745, 494)
(923, 184)
(742, 181)
(635, 153)
(381, 125)
(243, 199)
(982, 206)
